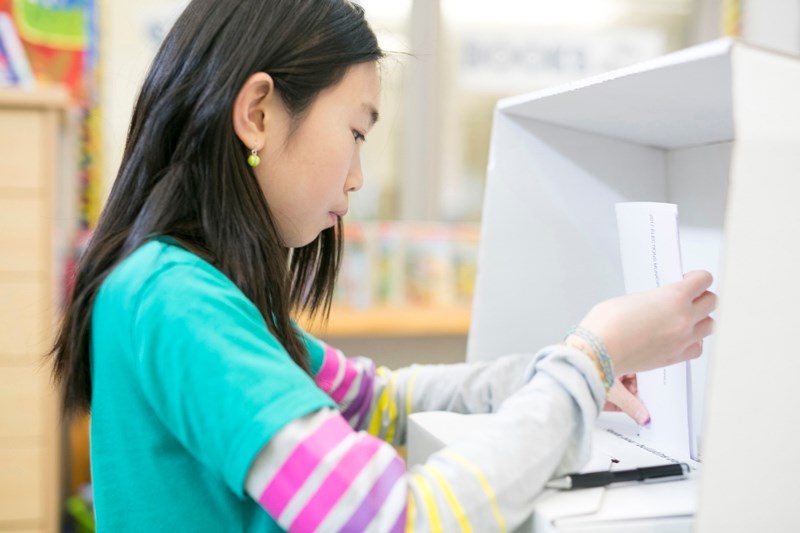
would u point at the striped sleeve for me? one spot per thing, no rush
(320, 474)
(379, 400)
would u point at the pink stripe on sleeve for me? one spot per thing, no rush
(336, 484)
(350, 373)
(330, 367)
(301, 463)
(374, 500)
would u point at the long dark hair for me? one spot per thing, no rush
(184, 172)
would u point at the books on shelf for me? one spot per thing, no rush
(402, 264)
(15, 69)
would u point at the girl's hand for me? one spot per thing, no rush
(623, 397)
(655, 328)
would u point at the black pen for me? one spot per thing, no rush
(605, 477)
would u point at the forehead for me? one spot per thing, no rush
(359, 88)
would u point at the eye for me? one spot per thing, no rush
(358, 136)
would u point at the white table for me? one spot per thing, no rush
(625, 508)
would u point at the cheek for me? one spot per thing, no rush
(312, 165)
(263, 178)
(329, 164)
(293, 188)
(276, 186)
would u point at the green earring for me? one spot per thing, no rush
(253, 160)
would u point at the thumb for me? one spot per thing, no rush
(629, 403)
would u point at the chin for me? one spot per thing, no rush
(300, 241)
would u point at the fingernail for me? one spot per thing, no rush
(642, 416)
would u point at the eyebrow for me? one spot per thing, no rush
(374, 115)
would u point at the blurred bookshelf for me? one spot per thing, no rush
(36, 171)
(402, 279)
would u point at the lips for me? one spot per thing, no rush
(340, 214)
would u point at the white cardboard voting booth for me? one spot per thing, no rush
(714, 129)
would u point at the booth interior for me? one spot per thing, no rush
(708, 128)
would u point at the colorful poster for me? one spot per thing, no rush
(59, 38)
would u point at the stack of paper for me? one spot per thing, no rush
(651, 258)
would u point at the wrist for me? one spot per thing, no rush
(594, 348)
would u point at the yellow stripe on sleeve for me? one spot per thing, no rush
(475, 471)
(411, 514)
(429, 500)
(392, 409)
(377, 414)
(458, 511)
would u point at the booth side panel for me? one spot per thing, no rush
(549, 246)
(750, 463)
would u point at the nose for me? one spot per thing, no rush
(355, 177)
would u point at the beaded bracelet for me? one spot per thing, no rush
(595, 360)
(600, 350)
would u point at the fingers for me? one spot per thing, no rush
(705, 303)
(629, 382)
(694, 351)
(697, 282)
(629, 403)
(704, 328)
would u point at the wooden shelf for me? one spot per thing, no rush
(392, 322)
(33, 162)
(47, 96)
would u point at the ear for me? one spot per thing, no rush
(251, 109)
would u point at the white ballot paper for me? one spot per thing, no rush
(651, 257)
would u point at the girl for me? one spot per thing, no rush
(211, 410)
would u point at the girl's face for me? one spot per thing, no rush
(307, 174)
